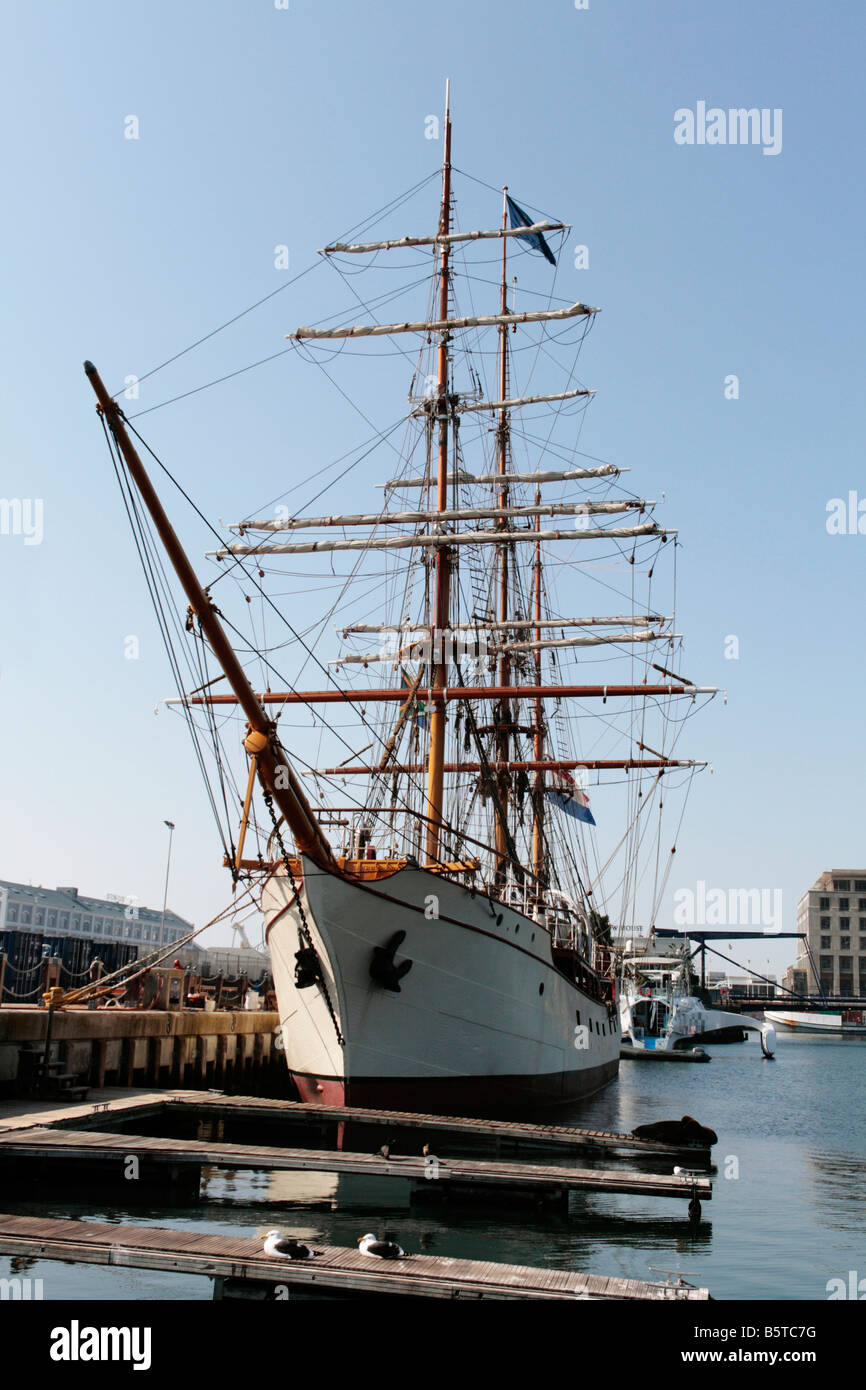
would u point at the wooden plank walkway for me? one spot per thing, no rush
(235, 1257)
(131, 1104)
(107, 1105)
(503, 1130)
(95, 1146)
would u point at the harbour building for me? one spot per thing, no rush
(61, 922)
(831, 915)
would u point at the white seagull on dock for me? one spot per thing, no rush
(277, 1244)
(381, 1249)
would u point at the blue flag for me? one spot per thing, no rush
(519, 218)
(564, 792)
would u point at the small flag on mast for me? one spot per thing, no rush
(420, 708)
(519, 218)
(564, 792)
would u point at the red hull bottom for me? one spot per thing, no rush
(461, 1095)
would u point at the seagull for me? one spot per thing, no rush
(382, 1249)
(385, 1150)
(686, 1173)
(276, 1244)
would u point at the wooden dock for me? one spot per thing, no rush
(336, 1269)
(499, 1132)
(106, 1110)
(437, 1176)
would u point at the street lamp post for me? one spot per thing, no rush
(170, 825)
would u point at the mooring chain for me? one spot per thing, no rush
(303, 929)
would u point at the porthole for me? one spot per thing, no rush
(541, 988)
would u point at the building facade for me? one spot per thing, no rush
(832, 917)
(63, 912)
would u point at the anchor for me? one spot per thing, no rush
(384, 969)
(308, 969)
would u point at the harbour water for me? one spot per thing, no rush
(788, 1213)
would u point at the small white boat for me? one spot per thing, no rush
(658, 1016)
(849, 1023)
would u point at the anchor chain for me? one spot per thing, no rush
(303, 929)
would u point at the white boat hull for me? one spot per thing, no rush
(484, 1020)
(826, 1025)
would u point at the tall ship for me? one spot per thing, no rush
(437, 897)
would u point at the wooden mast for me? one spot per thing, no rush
(275, 773)
(503, 716)
(442, 592)
(538, 736)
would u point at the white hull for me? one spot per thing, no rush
(483, 1020)
(826, 1025)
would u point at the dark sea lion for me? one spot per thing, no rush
(684, 1131)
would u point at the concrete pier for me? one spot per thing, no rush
(135, 1047)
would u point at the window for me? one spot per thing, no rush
(845, 943)
(825, 923)
(52, 920)
(64, 921)
(98, 928)
(825, 943)
(844, 923)
(843, 904)
(846, 963)
(12, 914)
(25, 914)
(842, 885)
(824, 904)
(860, 885)
(826, 964)
(86, 923)
(861, 904)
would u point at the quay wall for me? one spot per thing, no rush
(128, 1047)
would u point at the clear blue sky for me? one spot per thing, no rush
(260, 127)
